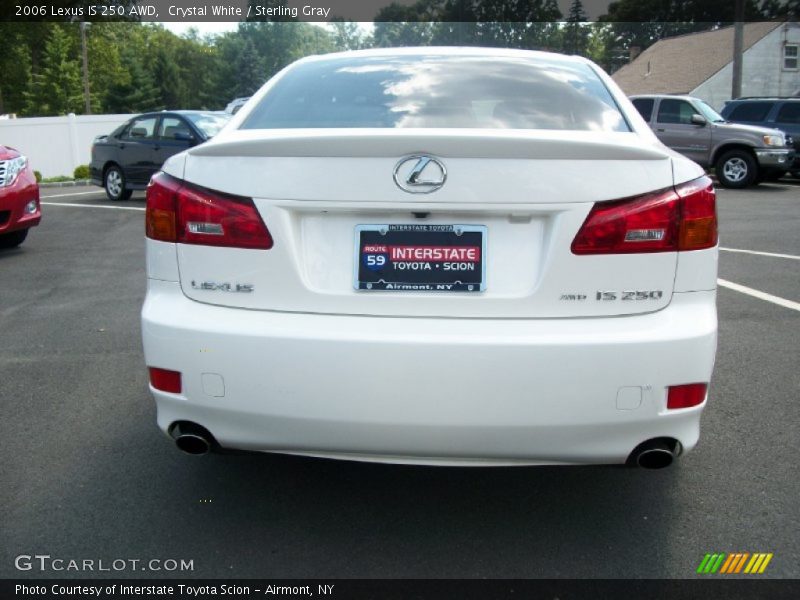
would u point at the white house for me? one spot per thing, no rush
(701, 64)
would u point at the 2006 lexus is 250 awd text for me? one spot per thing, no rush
(441, 256)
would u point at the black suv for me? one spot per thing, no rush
(778, 112)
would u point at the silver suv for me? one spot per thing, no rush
(740, 154)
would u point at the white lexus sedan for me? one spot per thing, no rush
(449, 256)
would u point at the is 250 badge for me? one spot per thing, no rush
(628, 295)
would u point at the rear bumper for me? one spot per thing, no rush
(13, 200)
(439, 391)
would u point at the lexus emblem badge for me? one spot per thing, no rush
(420, 174)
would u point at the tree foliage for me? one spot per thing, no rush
(57, 86)
(577, 33)
(135, 67)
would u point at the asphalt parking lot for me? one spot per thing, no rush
(87, 475)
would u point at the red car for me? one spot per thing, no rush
(19, 198)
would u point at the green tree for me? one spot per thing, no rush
(105, 65)
(57, 88)
(136, 93)
(15, 65)
(643, 22)
(780, 9)
(168, 80)
(600, 45)
(198, 58)
(577, 34)
(498, 23)
(348, 36)
(249, 71)
(405, 33)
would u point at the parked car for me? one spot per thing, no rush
(780, 113)
(740, 154)
(391, 258)
(19, 198)
(234, 105)
(126, 159)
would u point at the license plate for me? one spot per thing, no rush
(427, 258)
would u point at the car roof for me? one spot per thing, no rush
(676, 96)
(177, 112)
(765, 99)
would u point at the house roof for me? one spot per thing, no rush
(678, 65)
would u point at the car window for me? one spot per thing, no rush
(430, 91)
(170, 126)
(675, 111)
(209, 123)
(706, 111)
(645, 107)
(789, 113)
(751, 111)
(141, 129)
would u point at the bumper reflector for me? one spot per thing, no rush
(165, 380)
(686, 396)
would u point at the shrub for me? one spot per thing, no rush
(81, 172)
(38, 176)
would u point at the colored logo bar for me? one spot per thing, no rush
(734, 562)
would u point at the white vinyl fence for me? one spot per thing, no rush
(56, 145)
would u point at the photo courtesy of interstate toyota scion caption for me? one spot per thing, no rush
(454, 256)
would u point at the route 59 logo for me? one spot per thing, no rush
(375, 257)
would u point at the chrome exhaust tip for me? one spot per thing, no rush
(191, 438)
(655, 454)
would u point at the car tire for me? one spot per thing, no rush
(13, 239)
(114, 184)
(736, 169)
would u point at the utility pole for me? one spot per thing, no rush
(738, 44)
(84, 51)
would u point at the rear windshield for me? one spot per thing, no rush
(439, 91)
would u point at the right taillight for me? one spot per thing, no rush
(698, 215)
(180, 212)
(671, 220)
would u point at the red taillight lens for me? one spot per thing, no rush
(188, 214)
(642, 224)
(165, 380)
(159, 218)
(686, 396)
(698, 215)
(664, 221)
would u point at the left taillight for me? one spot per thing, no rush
(676, 219)
(180, 212)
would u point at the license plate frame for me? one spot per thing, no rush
(434, 245)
